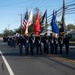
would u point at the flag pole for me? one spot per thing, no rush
(64, 14)
(62, 29)
(21, 24)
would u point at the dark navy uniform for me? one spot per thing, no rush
(26, 44)
(60, 40)
(66, 43)
(20, 43)
(14, 42)
(38, 44)
(32, 43)
(44, 44)
(55, 45)
(47, 44)
(51, 38)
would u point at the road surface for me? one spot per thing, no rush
(11, 63)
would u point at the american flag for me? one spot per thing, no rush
(25, 20)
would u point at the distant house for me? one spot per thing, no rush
(72, 34)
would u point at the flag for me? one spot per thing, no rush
(43, 21)
(61, 30)
(37, 24)
(62, 27)
(30, 18)
(53, 24)
(25, 20)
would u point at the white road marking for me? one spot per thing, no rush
(7, 65)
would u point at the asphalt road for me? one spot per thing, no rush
(11, 63)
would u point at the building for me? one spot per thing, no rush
(72, 34)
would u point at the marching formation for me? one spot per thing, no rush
(41, 44)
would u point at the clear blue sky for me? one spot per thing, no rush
(10, 10)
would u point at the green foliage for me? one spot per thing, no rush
(8, 32)
(1, 35)
(70, 26)
(18, 30)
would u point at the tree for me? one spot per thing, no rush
(19, 30)
(8, 32)
(70, 26)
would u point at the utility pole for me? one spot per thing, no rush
(64, 14)
(63, 17)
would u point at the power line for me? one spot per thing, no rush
(33, 3)
(73, 4)
(42, 3)
(70, 1)
(71, 13)
(13, 4)
(69, 7)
